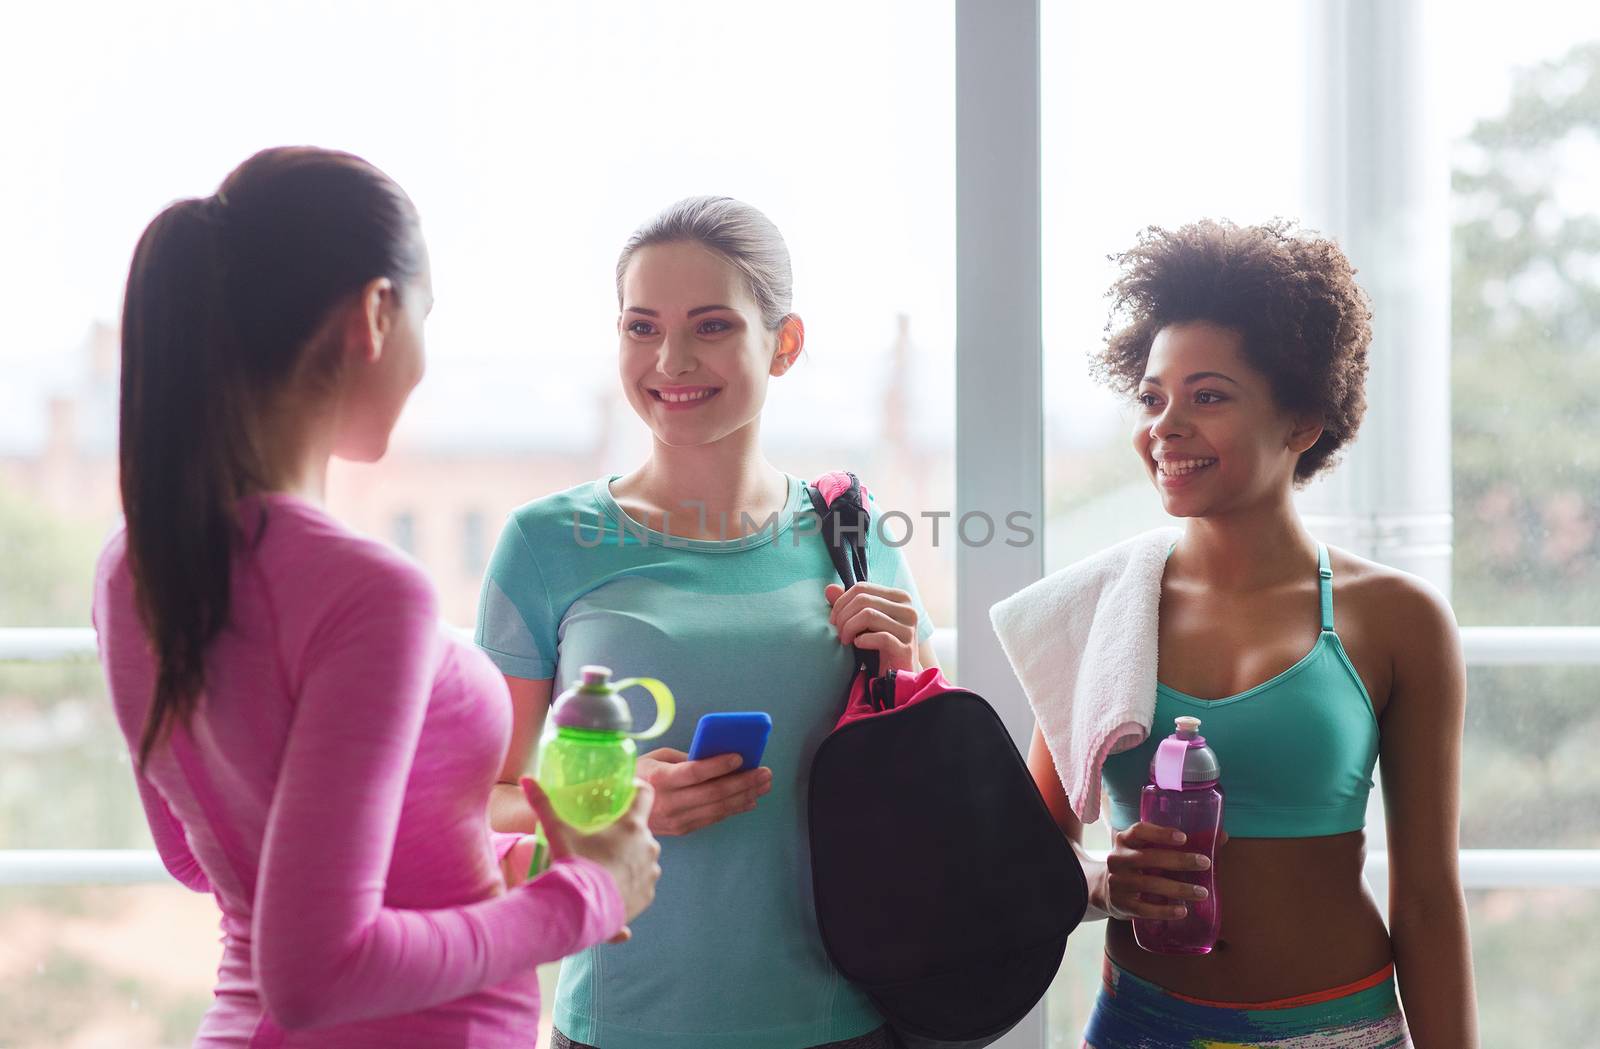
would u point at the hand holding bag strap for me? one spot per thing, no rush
(849, 555)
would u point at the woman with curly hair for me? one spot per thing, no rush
(1244, 349)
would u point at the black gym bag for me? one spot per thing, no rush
(943, 887)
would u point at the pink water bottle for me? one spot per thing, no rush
(1184, 794)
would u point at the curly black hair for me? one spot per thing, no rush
(1291, 295)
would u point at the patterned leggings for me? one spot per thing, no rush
(1136, 1014)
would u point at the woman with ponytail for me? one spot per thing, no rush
(310, 747)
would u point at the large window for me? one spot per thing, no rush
(533, 138)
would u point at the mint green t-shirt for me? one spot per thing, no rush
(728, 956)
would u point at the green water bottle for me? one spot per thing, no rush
(586, 765)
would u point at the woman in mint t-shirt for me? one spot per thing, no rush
(691, 569)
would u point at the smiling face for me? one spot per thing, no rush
(1212, 437)
(695, 357)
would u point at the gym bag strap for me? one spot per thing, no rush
(843, 523)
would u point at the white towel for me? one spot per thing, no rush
(1083, 643)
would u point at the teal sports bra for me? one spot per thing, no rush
(1297, 751)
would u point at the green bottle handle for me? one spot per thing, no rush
(665, 707)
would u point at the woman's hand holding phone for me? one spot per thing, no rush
(695, 794)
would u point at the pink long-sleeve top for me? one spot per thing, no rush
(331, 792)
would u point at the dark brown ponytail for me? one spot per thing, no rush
(223, 298)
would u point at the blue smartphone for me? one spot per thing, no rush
(743, 733)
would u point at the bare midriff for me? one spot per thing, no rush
(1297, 918)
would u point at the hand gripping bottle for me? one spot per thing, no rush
(586, 765)
(1184, 794)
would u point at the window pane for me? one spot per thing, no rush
(65, 775)
(533, 138)
(1526, 317)
(1204, 119)
(1536, 967)
(48, 545)
(1071, 997)
(1529, 779)
(96, 965)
